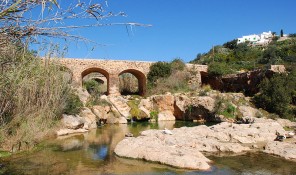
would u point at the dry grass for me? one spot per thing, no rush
(176, 82)
(32, 97)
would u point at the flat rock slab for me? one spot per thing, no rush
(162, 152)
(183, 148)
(286, 150)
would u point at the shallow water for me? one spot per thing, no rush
(92, 153)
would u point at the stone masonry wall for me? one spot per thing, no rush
(111, 69)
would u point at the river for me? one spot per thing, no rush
(92, 153)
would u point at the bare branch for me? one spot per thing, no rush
(18, 19)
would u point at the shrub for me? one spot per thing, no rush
(73, 104)
(92, 86)
(154, 115)
(219, 69)
(177, 65)
(159, 70)
(225, 108)
(277, 94)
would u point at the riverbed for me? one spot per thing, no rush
(92, 153)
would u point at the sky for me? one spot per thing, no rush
(181, 28)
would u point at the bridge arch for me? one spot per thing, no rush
(97, 70)
(142, 80)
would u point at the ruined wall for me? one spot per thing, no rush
(246, 82)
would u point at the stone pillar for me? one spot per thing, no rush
(76, 79)
(113, 85)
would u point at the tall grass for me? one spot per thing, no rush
(33, 94)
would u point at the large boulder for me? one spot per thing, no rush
(82, 94)
(101, 111)
(164, 102)
(72, 121)
(113, 117)
(166, 116)
(180, 106)
(146, 103)
(120, 104)
(90, 118)
(201, 108)
(156, 150)
(248, 111)
(206, 102)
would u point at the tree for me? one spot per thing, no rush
(231, 44)
(268, 56)
(282, 33)
(277, 94)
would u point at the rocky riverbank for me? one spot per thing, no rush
(185, 147)
(204, 105)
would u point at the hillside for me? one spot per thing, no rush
(232, 57)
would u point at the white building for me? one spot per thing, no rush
(254, 39)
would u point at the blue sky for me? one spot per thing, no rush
(182, 28)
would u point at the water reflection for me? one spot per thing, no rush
(92, 153)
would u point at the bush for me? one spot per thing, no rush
(73, 104)
(219, 69)
(177, 65)
(92, 86)
(226, 108)
(154, 115)
(276, 94)
(159, 70)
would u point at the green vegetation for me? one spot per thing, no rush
(177, 65)
(225, 108)
(95, 90)
(136, 113)
(92, 86)
(73, 104)
(278, 95)
(154, 115)
(232, 57)
(168, 77)
(159, 70)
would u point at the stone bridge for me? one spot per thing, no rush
(112, 69)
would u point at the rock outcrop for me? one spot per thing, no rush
(72, 122)
(162, 151)
(286, 150)
(90, 118)
(188, 143)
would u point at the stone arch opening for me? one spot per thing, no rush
(99, 75)
(140, 76)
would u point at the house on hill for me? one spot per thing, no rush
(254, 39)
